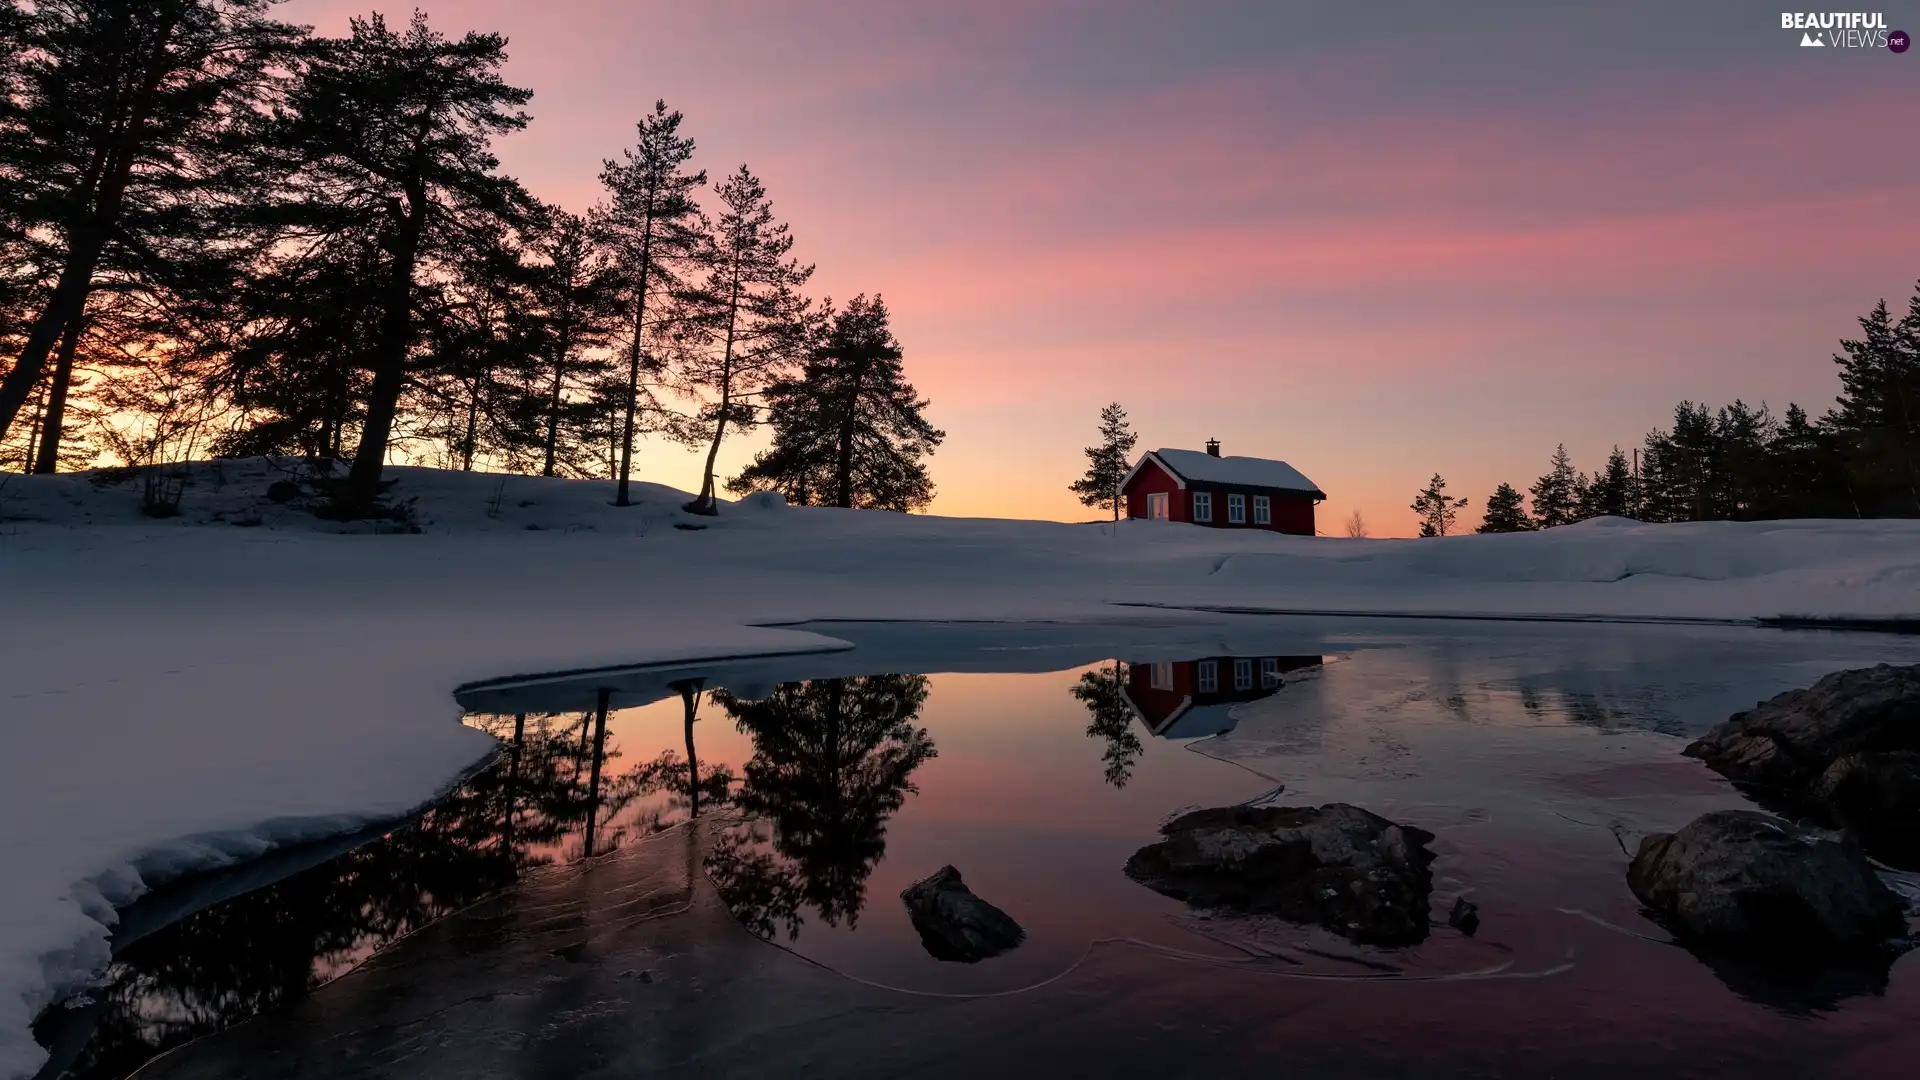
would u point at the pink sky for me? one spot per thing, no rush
(1376, 243)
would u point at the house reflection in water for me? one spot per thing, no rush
(1190, 699)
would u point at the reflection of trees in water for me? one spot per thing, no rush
(1603, 709)
(1104, 694)
(831, 764)
(230, 961)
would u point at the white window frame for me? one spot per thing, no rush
(1243, 674)
(1157, 506)
(1269, 672)
(1206, 677)
(1262, 510)
(1160, 676)
(1236, 509)
(1203, 506)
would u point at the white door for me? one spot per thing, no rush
(1157, 506)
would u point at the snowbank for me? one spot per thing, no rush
(183, 693)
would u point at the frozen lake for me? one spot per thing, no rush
(743, 916)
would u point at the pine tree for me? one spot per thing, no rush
(1878, 414)
(848, 430)
(389, 133)
(113, 143)
(1744, 476)
(1506, 512)
(1810, 469)
(1556, 496)
(651, 224)
(745, 323)
(1107, 463)
(1610, 492)
(574, 295)
(1436, 508)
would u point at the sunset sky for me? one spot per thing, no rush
(1376, 241)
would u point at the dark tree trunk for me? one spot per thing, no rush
(389, 361)
(33, 433)
(553, 406)
(48, 460)
(705, 502)
(849, 420)
(620, 497)
(690, 699)
(599, 751)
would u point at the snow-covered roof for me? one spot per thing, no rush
(1246, 471)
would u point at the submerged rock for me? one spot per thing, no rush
(956, 925)
(1338, 866)
(1465, 916)
(1755, 882)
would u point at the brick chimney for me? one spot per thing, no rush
(1213, 447)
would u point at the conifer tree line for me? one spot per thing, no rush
(222, 234)
(1738, 462)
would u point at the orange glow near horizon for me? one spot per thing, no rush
(1445, 242)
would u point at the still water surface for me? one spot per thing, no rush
(1537, 755)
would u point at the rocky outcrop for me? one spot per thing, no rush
(1846, 750)
(1337, 866)
(1756, 883)
(956, 925)
(1788, 741)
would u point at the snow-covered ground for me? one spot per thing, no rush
(187, 692)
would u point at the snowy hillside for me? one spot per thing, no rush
(189, 691)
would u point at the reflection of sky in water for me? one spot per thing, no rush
(1538, 756)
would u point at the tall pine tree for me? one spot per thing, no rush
(651, 224)
(1877, 417)
(389, 133)
(1556, 496)
(1611, 492)
(576, 304)
(1107, 463)
(115, 138)
(746, 323)
(849, 430)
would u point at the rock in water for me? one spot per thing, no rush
(1845, 750)
(1351, 871)
(956, 925)
(1788, 741)
(1870, 786)
(1465, 916)
(1747, 879)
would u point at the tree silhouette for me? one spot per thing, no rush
(1104, 694)
(1436, 508)
(832, 763)
(1107, 463)
(1506, 512)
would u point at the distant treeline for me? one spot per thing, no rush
(223, 234)
(1861, 459)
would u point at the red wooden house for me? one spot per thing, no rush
(1188, 699)
(1221, 492)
